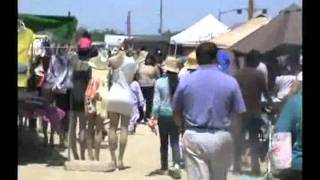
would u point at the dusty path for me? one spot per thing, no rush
(142, 156)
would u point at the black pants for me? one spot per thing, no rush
(167, 128)
(148, 96)
(251, 124)
(62, 102)
(290, 174)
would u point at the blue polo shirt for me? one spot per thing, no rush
(207, 98)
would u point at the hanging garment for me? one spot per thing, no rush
(98, 87)
(59, 77)
(25, 38)
(81, 77)
(38, 48)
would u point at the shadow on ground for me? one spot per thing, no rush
(32, 151)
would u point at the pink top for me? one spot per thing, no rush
(85, 43)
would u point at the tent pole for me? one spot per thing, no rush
(175, 49)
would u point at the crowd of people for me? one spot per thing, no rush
(202, 103)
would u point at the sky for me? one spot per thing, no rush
(177, 14)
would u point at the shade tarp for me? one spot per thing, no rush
(228, 39)
(204, 30)
(59, 28)
(283, 31)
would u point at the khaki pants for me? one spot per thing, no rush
(208, 156)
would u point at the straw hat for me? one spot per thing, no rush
(191, 61)
(99, 62)
(171, 64)
(117, 60)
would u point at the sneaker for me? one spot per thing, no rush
(175, 172)
(158, 172)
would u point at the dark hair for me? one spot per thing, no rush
(136, 76)
(191, 70)
(252, 59)
(173, 82)
(206, 53)
(86, 34)
(151, 60)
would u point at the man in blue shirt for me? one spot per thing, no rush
(204, 102)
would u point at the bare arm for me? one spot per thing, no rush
(177, 117)
(264, 88)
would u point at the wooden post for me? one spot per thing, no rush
(251, 9)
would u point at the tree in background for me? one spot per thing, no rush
(168, 33)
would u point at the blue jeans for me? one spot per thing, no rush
(167, 128)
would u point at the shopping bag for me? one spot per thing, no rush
(281, 151)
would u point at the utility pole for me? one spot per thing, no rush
(251, 9)
(129, 24)
(160, 28)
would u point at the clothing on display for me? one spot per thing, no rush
(59, 77)
(81, 77)
(25, 38)
(32, 106)
(98, 87)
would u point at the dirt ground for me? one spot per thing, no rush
(142, 156)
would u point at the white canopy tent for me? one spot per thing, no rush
(204, 30)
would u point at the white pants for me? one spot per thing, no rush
(208, 156)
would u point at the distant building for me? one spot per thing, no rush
(114, 40)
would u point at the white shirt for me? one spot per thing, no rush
(263, 68)
(283, 84)
(183, 72)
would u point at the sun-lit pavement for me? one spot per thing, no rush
(142, 156)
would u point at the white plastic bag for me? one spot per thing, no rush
(281, 151)
(120, 99)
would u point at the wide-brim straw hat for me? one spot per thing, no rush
(117, 60)
(171, 64)
(191, 61)
(99, 62)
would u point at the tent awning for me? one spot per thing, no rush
(59, 28)
(284, 30)
(204, 30)
(228, 39)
